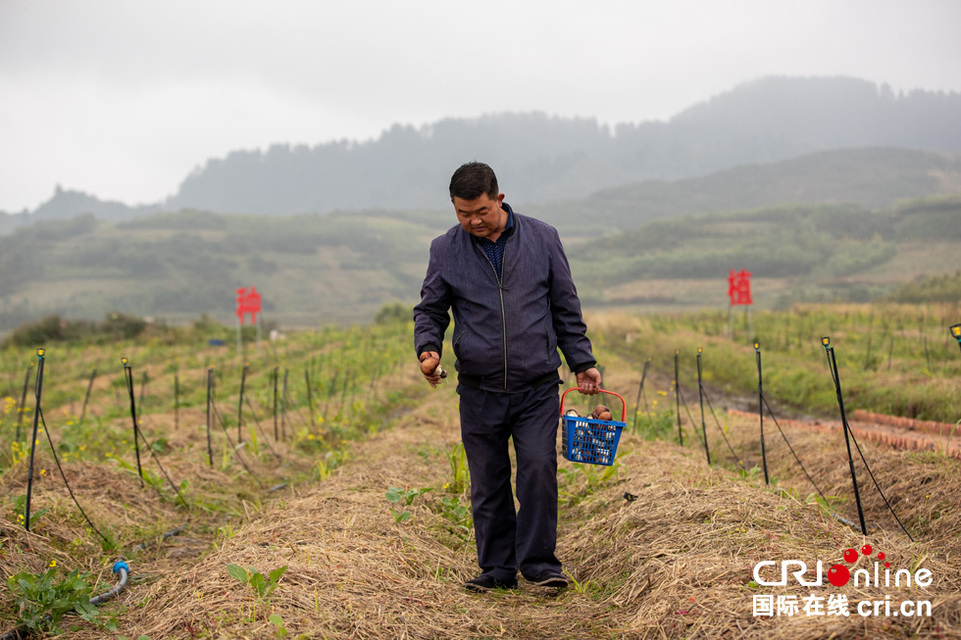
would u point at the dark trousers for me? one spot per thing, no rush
(509, 540)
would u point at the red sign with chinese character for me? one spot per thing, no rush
(248, 302)
(739, 287)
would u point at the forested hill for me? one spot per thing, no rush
(542, 158)
(539, 157)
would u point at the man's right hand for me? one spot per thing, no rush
(433, 374)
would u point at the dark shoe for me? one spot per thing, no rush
(485, 582)
(553, 579)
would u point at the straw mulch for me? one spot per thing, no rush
(674, 561)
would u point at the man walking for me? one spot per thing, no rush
(506, 279)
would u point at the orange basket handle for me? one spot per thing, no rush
(623, 402)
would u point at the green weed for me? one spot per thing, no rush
(20, 507)
(395, 495)
(651, 425)
(459, 471)
(262, 585)
(42, 600)
(459, 515)
(278, 623)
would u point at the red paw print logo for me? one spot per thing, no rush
(839, 575)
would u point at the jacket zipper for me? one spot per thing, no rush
(500, 292)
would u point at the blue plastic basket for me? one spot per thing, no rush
(588, 440)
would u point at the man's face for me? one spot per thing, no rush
(482, 217)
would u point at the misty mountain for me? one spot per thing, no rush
(539, 157)
(543, 158)
(873, 178)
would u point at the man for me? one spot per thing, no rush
(507, 281)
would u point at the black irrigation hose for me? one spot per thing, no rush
(260, 430)
(680, 397)
(292, 405)
(808, 475)
(169, 534)
(120, 568)
(162, 470)
(730, 448)
(234, 448)
(640, 390)
(56, 459)
(138, 435)
(877, 486)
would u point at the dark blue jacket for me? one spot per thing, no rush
(507, 331)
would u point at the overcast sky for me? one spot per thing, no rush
(123, 98)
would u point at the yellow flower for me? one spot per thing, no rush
(53, 563)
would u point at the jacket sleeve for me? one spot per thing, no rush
(566, 312)
(431, 315)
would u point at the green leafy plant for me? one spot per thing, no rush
(42, 601)
(395, 495)
(150, 479)
(261, 584)
(826, 504)
(576, 481)
(749, 474)
(459, 515)
(408, 496)
(20, 506)
(597, 475)
(278, 623)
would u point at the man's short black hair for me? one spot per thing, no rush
(472, 180)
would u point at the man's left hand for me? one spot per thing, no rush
(589, 381)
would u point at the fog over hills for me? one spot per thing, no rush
(848, 224)
(541, 158)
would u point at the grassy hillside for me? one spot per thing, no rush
(311, 270)
(795, 254)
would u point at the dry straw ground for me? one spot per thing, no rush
(674, 562)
